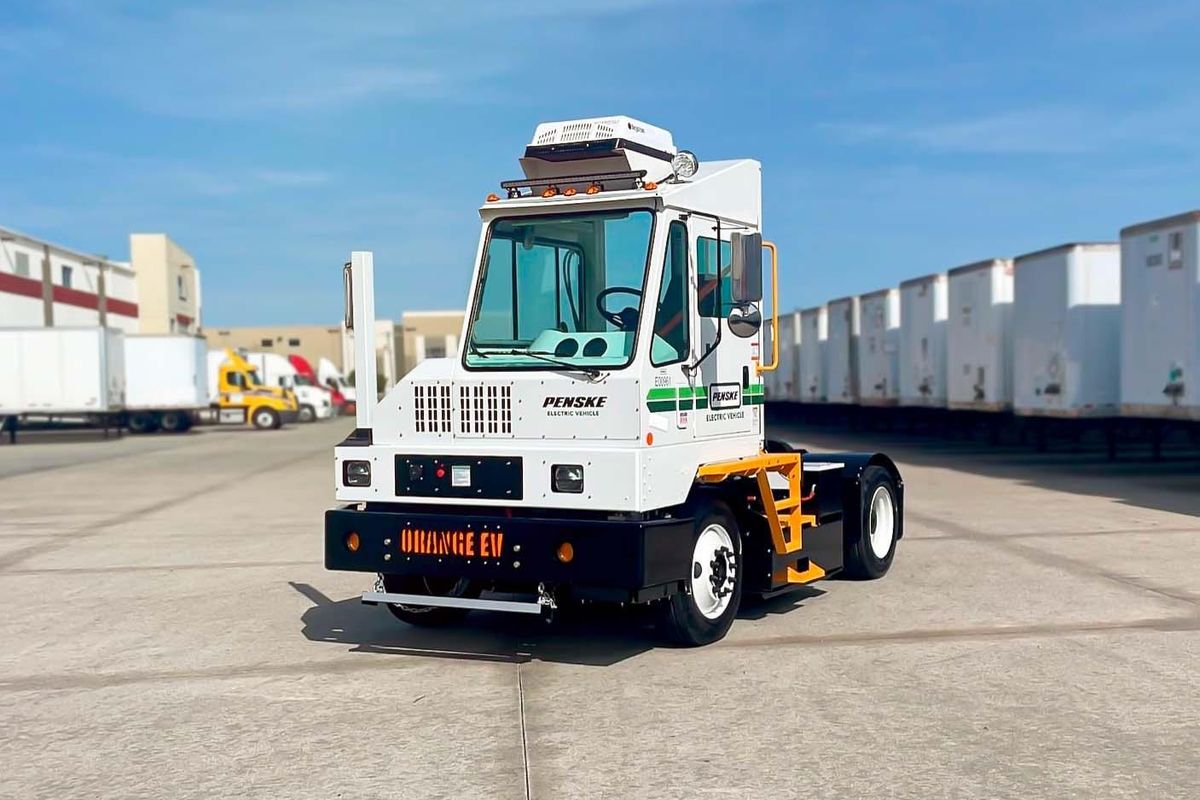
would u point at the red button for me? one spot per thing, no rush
(441, 472)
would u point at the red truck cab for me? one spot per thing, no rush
(304, 368)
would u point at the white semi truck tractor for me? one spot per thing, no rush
(599, 434)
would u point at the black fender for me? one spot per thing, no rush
(853, 465)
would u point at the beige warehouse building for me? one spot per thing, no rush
(168, 285)
(313, 342)
(427, 334)
(400, 347)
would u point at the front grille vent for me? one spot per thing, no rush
(431, 408)
(484, 409)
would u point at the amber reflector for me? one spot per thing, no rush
(352, 542)
(491, 198)
(566, 552)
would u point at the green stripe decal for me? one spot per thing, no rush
(685, 398)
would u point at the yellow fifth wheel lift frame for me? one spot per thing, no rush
(785, 516)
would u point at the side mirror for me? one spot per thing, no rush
(746, 269)
(744, 321)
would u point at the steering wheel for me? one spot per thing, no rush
(626, 319)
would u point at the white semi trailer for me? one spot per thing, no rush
(598, 435)
(166, 381)
(814, 336)
(924, 307)
(979, 341)
(841, 351)
(1067, 331)
(878, 348)
(61, 374)
(1160, 318)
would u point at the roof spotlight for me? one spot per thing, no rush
(685, 164)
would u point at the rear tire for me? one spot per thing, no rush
(428, 616)
(175, 422)
(266, 419)
(703, 613)
(870, 554)
(307, 414)
(142, 422)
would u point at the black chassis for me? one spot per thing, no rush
(617, 557)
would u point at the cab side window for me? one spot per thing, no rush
(670, 342)
(236, 379)
(711, 260)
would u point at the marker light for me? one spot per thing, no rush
(649, 438)
(551, 191)
(567, 478)
(352, 542)
(594, 189)
(493, 197)
(566, 552)
(685, 164)
(650, 186)
(356, 473)
(570, 191)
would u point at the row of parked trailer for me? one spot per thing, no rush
(105, 378)
(1079, 331)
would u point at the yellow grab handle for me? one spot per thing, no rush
(774, 310)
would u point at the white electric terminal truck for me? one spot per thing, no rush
(598, 436)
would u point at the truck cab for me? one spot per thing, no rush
(305, 371)
(276, 371)
(240, 396)
(599, 434)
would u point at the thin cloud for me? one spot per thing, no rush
(1050, 131)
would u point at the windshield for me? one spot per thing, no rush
(255, 381)
(564, 289)
(303, 380)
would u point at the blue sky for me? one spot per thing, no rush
(897, 139)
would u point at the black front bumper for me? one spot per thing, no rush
(624, 556)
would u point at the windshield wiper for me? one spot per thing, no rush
(540, 355)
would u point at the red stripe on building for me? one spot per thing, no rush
(29, 287)
(122, 307)
(15, 284)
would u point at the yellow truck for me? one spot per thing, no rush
(238, 395)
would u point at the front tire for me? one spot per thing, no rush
(266, 418)
(870, 554)
(703, 613)
(428, 616)
(307, 414)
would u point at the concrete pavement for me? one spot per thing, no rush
(169, 631)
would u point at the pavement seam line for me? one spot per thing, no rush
(524, 735)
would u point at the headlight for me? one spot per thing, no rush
(685, 164)
(567, 478)
(356, 473)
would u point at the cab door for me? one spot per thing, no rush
(725, 387)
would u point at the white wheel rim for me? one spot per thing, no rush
(882, 522)
(714, 571)
(264, 418)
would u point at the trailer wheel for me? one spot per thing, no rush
(142, 422)
(428, 616)
(703, 612)
(266, 418)
(307, 414)
(175, 421)
(870, 554)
